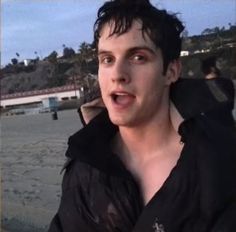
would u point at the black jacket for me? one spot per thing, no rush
(100, 195)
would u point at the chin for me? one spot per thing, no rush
(126, 119)
(123, 122)
(118, 120)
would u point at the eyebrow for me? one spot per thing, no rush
(130, 50)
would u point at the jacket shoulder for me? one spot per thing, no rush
(193, 97)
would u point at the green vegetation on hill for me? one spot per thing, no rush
(77, 67)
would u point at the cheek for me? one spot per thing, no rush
(103, 84)
(153, 85)
(151, 79)
(101, 79)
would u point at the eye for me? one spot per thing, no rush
(138, 58)
(106, 60)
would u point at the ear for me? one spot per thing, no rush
(173, 71)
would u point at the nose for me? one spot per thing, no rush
(121, 72)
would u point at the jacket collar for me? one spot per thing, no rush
(91, 145)
(193, 97)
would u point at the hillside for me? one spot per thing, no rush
(75, 68)
(226, 62)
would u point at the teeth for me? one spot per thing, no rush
(117, 94)
(121, 94)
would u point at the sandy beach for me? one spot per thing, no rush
(32, 155)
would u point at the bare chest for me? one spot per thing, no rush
(152, 175)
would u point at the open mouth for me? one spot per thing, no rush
(122, 98)
(117, 96)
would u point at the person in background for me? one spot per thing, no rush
(209, 68)
(154, 159)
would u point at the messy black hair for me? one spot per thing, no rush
(209, 66)
(163, 28)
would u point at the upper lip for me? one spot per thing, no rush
(120, 92)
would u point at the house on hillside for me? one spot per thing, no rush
(28, 62)
(184, 53)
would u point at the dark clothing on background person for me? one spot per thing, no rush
(100, 195)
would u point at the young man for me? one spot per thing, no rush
(209, 68)
(134, 167)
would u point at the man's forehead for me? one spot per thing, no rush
(109, 27)
(135, 35)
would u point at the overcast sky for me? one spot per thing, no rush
(44, 25)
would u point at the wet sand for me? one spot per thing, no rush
(32, 155)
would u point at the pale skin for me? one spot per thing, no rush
(136, 94)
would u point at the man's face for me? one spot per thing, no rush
(131, 78)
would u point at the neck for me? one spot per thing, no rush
(147, 140)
